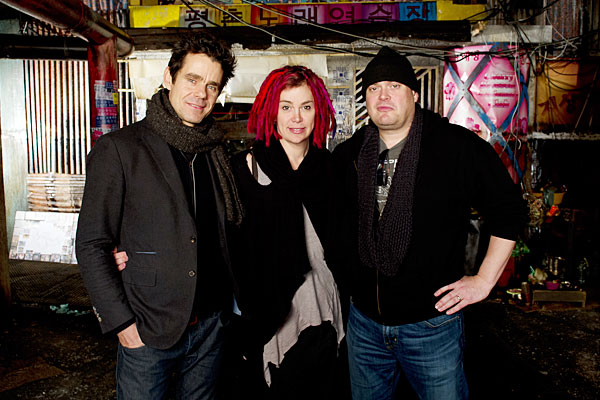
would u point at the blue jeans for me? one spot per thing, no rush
(429, 353)
(192, 364)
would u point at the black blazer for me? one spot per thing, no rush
(134, 199)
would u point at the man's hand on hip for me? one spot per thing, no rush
(458, 295)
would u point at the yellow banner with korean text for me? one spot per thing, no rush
(292, 13)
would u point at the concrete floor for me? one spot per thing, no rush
(53, 352)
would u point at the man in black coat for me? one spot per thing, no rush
(162, 191)
(403, 193)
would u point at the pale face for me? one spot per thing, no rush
(391, 105)
(296, 115)
(195, 90)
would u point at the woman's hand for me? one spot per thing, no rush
(120, 259)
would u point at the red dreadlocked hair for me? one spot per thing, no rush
(266, 105)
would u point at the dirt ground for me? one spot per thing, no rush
(550, 353)
(512, 353)
(46, 355)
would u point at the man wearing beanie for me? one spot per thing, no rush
(405, 186)
(162, 191)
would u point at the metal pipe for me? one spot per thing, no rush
(74, 16)
(42, 47)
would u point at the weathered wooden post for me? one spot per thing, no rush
(5, 296)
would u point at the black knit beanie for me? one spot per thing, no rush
(388, 65)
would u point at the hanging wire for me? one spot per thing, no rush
(240, 20)
(263, 6)
(410, 49)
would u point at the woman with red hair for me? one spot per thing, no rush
(285, 287)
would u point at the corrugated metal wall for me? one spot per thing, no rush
(58, 117)
(58, 113)
(566, 18)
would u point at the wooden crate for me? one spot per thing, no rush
(567, 296)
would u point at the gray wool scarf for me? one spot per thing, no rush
(383, 244)
(203, 137)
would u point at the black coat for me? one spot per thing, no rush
(274, 259)
(457, 171)
(134, 199)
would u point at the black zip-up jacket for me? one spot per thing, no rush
(457, 171)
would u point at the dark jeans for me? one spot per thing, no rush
(192, 364)
(429, 353)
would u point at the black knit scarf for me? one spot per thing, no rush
(383, 244)
(305, 186)
(195, 139)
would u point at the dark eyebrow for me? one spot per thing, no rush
(191, 75)
(288, 101)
